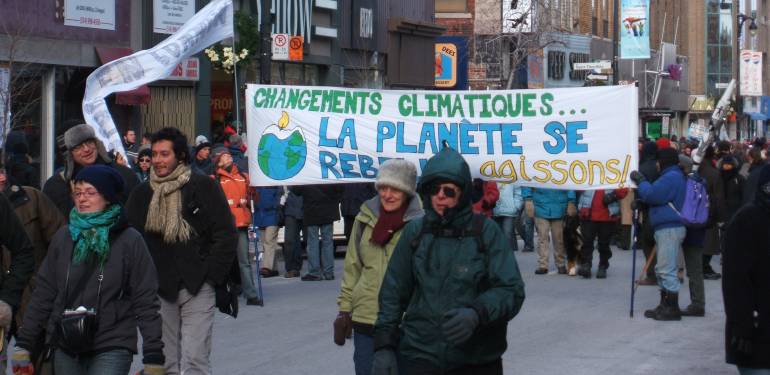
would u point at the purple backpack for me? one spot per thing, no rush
(695, 210)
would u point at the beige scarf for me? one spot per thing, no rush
(164, 215)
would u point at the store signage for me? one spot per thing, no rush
(93, 14)
(598, 65)
(187, 70)
(169, 15)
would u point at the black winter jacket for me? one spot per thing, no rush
(208, 255)
(128, 297)
(746, 284)
(354, 195)
(321, 203)
(14, 238)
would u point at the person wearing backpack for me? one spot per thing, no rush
(451, 286)
(375, 233)
(665, 198)
(692, 248)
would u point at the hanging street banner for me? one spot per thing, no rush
(570, 138)
(211, 24)
(751, 73)
(634, 31)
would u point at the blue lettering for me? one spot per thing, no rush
(385, 130)
(573, 137)
(348, 131)
(382, 159)
(347, 166)
(322, 140)
(490, 129)
(328, 161)
(509, 139)
(401, 147)
(427, 135)
(466, 139)
(422, 164)
(448, 134)
(366, 163)
(556, 130)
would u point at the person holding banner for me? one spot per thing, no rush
(451, 286)
(186, 221)
(320, 209)
(83, 149)
(665, 197)
(548, 207)
(375, 233)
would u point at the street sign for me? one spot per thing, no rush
(280, 46)
(604, 64)
(598, 77)
(721, 85)
(295, 48)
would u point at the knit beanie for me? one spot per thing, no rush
(217, 152)
(201, 139)
(77, 135)
(107, 181)
(399, 174)
(201, 146)
(667, 157)
(663, 143)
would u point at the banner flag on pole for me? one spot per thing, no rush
(569, 138)
(634, 29)
(211, 24)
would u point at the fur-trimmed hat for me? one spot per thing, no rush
(399, 174)
(77, 135)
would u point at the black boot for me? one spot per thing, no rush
(670, 310)
(585, 270)
(654, 312)
(693, 310)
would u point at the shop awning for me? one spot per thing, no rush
(756, 116)
(140, 95)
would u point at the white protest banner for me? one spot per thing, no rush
(213, 23)
(570, 138)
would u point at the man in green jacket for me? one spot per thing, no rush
(451, 286)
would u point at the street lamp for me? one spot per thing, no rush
(741, 18)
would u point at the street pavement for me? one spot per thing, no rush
(568, 325)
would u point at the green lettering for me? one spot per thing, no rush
(404, 105)
(546, 100)
(527, 108)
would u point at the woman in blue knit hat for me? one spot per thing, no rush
(95, 287)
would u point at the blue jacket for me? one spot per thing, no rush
(549, 203)
(669, 187)
(510, 201)
(266, 210)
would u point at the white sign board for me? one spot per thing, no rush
(597, 77)
(568, 138)
(280, 46)
(94, 14)
(751, 73)
(169, 15)
(598, 65)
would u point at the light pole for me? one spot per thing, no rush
(741, 18)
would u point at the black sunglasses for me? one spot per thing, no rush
(144, 160)
(449, 191)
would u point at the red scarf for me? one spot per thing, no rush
(387, 225)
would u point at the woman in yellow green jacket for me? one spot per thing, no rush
(375, 234)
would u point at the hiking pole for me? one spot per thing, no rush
(255, 230)
(634, 234)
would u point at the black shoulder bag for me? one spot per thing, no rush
(77, 328)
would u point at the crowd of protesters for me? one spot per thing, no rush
(102, 219)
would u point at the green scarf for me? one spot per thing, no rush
(91, 231)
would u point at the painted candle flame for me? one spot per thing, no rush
(284, 121)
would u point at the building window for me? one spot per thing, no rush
(556, 65)
(451, 6)
(719, 40)
(577, 75)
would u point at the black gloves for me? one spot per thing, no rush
(637, 177)
(384, 362)
(609, 197)
(459, 324)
